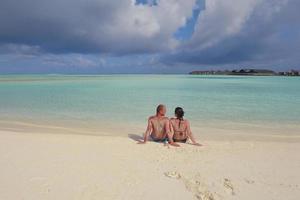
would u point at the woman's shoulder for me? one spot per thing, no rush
(186, 121)
(174, 118)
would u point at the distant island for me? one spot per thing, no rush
(247, 72)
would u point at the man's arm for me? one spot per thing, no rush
(171, 129)
(147, 132)
(190, 134)
(170, 135)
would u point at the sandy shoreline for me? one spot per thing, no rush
(65, 166)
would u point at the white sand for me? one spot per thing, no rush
(43, 166)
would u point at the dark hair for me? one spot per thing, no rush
(179, 114)
(159, 108)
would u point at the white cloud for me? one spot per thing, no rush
(227, 32)
(221, 19)
(247, 32)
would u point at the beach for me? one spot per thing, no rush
(74, 166)
(75, 137)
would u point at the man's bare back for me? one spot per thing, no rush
(159, 127)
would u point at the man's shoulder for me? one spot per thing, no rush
(152, 117)
(155, 117)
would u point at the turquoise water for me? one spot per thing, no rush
(101, 100)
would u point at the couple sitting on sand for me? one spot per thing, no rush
(162, 129)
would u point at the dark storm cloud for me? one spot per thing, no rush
(59, 26)
(70, 26)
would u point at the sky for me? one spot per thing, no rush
(147, 36)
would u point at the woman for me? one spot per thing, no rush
(180, 128)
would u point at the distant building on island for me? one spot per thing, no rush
(247, 72)
(255, 72)
(290, 73)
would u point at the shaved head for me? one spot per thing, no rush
(161, 109)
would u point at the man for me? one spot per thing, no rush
(159, 127)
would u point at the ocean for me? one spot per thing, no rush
(121, 104)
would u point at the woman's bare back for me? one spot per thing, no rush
(180, 128)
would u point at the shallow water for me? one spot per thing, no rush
(119, 102)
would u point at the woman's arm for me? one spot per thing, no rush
(190, 134)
